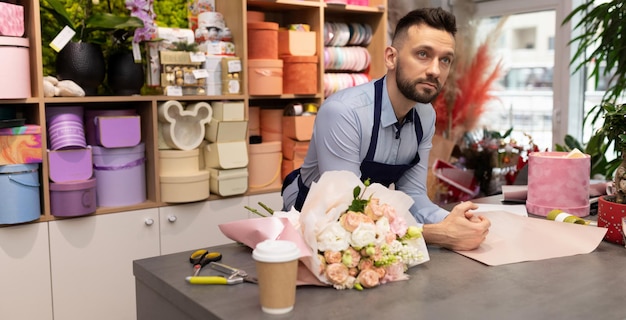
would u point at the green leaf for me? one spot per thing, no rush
(111, 21)
(58, 10)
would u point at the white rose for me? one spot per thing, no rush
(363, 235)
(334, 238)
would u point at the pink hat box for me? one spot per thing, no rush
(185, 187)
(75, 198)
(90, 121)
(70, 165)
(558, 182)
(15, 66)
(120, 175)
(118, 131)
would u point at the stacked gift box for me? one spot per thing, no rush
(14, 53)
(96, 159)
(118, 156)
(20, 156)
(72, 183)
(225, 152)
(181, 133)
(297, 123)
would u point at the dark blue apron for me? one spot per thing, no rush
(377, 172)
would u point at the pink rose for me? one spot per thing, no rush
(395, 272)
(368, 278)
(337, 273)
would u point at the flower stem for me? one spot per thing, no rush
(255, 211)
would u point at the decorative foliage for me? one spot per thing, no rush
(463, 101)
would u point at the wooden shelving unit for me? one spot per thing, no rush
(311, 12)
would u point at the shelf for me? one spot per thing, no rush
(285, 12)
(283, 4)
(90, 99)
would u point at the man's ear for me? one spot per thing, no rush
(391, 57)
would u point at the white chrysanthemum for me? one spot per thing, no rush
(363, 235)
(333, 238)
(382, 228)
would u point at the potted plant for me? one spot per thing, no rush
(82, 59)
(600, 27)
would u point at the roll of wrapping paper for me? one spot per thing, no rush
(560, 216)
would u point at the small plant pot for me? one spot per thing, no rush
(82, 63)
(610, 216)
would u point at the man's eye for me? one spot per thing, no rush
(422, 54)
(446, 60)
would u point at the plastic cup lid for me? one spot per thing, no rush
(276, 251)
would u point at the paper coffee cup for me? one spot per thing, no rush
(277, 268)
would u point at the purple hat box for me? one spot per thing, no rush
(120, 175)
(91, 115)
(74, 198)
(20, 193)
(70, 165)
(65, 127)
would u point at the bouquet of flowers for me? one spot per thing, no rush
(351, 234)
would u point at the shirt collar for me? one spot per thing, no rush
(388, 116)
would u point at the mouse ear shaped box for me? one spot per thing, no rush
(181, 128)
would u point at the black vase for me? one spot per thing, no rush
(124, 76)
(82, 63)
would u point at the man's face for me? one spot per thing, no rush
(423, 63)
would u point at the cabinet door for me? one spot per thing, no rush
(195, 225)
(92, 259)
(25, 276)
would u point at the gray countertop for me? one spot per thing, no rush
(449, 286)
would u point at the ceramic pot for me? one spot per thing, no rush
(82, 63)
(610, 216)
(124, 76)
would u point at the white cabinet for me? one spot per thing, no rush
(193, 226)
(91, 263)
(25, 276)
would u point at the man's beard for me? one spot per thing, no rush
(408, 87)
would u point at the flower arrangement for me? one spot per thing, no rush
(368, 245)
(352, 235)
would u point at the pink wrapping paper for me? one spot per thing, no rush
(513, 239)
(327, 200)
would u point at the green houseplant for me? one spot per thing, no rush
(602, 42)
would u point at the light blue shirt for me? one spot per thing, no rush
(341, 138)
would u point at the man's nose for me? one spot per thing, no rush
(433, 68)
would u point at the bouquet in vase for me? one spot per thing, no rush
(350, 234)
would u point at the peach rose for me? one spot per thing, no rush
(366, 264)
(332, 256)
(373, 209)
(337, 273)
(368, 278)
(351, 258)
(351, 220)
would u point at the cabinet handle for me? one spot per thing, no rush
(171, 218)
(149, 221)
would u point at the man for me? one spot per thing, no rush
(383, 130)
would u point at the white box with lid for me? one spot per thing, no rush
(229, 182)
(226, 155)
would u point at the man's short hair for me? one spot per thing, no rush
(433, 17)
